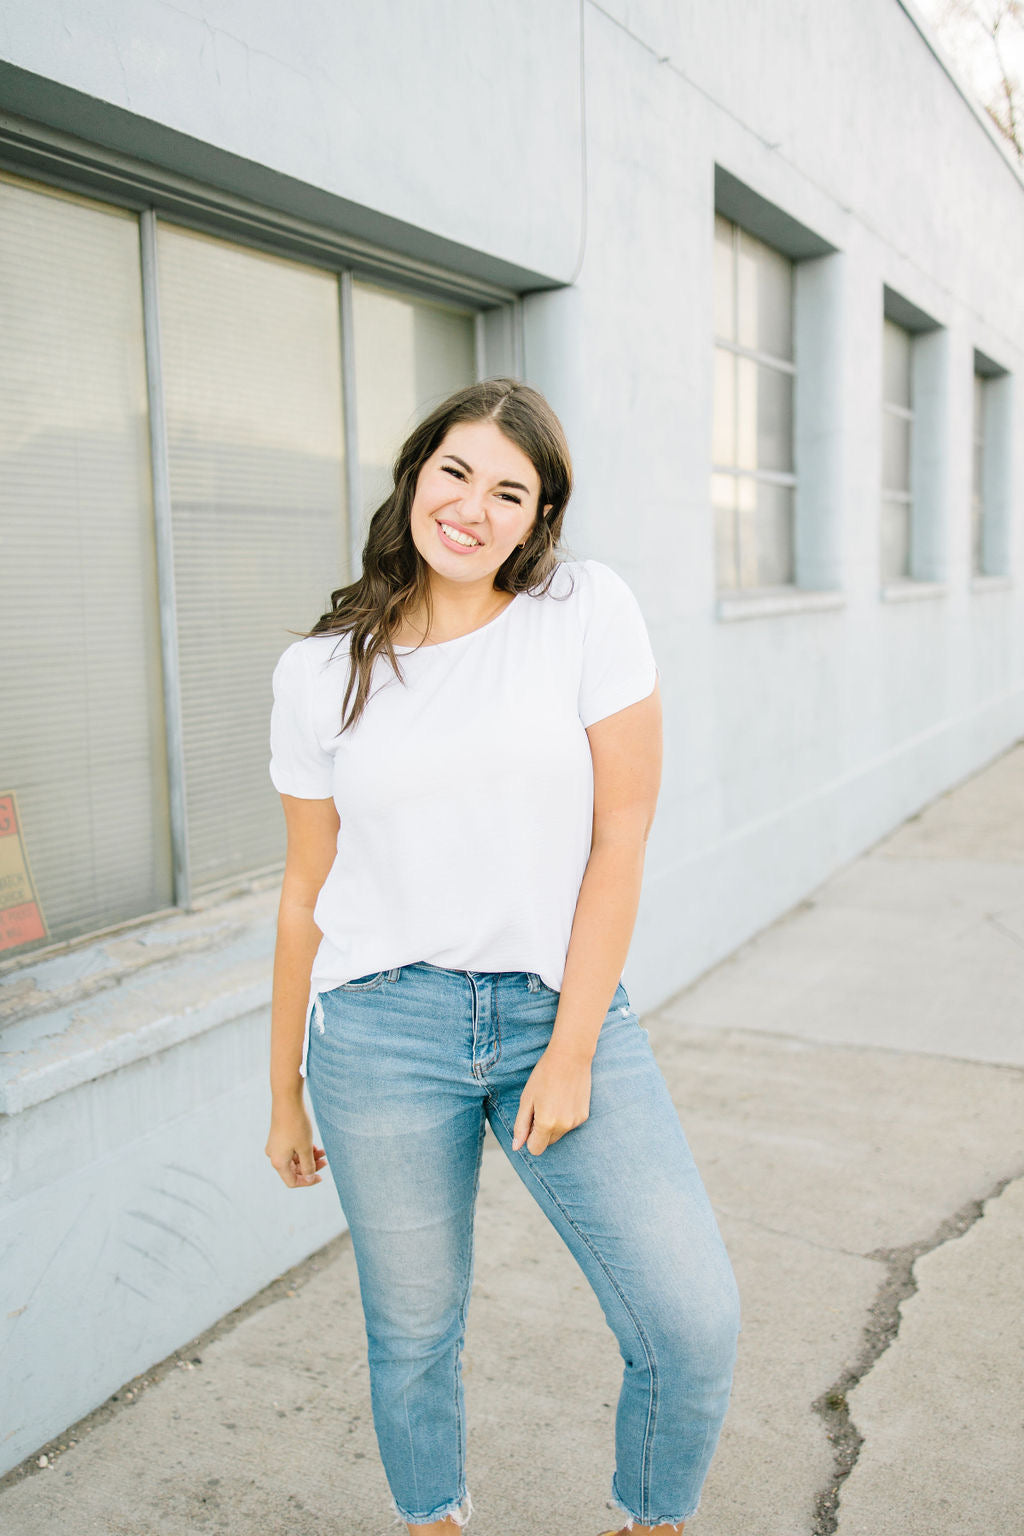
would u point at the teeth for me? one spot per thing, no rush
(460, 538)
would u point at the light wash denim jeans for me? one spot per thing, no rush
(405, 1066)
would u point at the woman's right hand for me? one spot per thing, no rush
(290, 1146)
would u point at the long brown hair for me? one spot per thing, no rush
(395, 576)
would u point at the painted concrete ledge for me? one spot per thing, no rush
(912, 591)
(77, 1015)
(766, 603)
(136, 1205)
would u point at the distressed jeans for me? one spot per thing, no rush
(405, 1066)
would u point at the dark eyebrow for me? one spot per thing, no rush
(515, 484)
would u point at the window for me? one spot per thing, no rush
(897, 438)
(753, 477)
(81, 698)
(777, 462)
(175, 473)
(915, 471)
(990, 469)
(251, 353)
(977, 484)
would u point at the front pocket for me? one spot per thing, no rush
(363, 983)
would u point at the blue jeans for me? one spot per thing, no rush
(405, 1066)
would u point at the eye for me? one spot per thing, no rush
(451, 470)
(509, 497)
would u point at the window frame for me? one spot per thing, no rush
(928, 557)
(991, 542)
(58, 162)
(902, 413)
(818, 298)
(736, 349)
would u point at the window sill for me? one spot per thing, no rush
(991, 583)
(912, 591)
(72, 1017)
(767, 602)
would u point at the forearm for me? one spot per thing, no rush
(601, 932)
(298, 939)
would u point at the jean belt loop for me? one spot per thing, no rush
(534, 981)
(394, 973)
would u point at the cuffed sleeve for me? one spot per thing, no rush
(618, 663)
(299, 765)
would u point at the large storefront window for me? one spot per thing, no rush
(251, 349)
(248, 354)
(82, 760)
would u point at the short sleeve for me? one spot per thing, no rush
(298, 763)
(618, 663)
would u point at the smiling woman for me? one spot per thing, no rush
(453, 958)
(491, 463)
(467, 502)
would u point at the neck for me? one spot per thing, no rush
(458, 608)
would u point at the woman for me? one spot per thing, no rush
(468, 751)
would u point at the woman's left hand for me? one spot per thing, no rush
(556, 1099)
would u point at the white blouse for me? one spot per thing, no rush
(466, 793)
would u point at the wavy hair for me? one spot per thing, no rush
(395, 576)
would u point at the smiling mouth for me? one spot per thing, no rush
(463, 539)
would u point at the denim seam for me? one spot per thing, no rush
(479, 1068)
(496, 1021)
(529, 1161)
(463, 1305)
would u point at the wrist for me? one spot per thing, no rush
(287, 1095)
(580, 1052)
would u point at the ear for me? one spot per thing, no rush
(547, 509)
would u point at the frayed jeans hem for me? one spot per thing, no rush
(632, 1519)
(451, 1510)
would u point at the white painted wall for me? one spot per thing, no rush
(792, 741)
(450, 116)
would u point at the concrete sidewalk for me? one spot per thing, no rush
(851, 1082)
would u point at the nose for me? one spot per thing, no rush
(471, 506)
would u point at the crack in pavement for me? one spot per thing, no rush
(880, 1331)
(994, 921)
(795, 1237)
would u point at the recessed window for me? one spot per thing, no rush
(82, 761)
(915, 467)
(141, 611)
(977, 480)
(897, 445)
(990, 468)
(753, 472)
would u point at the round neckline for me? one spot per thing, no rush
(439, 645)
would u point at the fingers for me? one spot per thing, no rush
(528, 1133)
(299, 1170)
(521, 1129)
(302, 1169)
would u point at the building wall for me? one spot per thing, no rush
(460, 120)
(794, 739)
